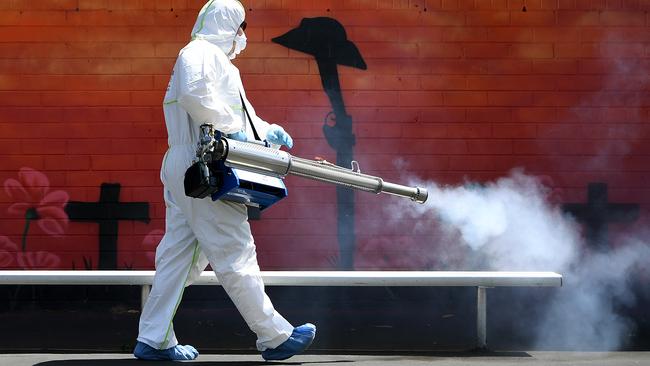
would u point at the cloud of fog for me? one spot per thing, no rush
(509, 222)
(508, 225)
(585, 314)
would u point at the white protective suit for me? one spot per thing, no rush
(205, 87)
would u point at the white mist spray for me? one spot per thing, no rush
(509, 225)
(584, 315)
(509, 222)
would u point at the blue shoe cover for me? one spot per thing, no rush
(145, 352)
(299, 340)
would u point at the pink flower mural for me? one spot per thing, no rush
(37, 260)
(11, 257)
(36, 202)
(150, 243)
(7, 252)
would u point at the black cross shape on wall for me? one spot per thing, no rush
(597, 213)
(107, 213)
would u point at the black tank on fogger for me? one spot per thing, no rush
(258, 167)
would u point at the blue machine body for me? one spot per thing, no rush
(251, 189)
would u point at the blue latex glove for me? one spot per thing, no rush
(239, 136)
(277, 135)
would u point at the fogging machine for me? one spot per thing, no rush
(251, 172)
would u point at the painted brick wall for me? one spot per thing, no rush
(457, 89)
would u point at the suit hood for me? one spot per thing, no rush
(218, 22)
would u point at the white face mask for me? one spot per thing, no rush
(240, 44)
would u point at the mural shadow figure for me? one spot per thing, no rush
(108, 212)
(325, 39)
(597, 213)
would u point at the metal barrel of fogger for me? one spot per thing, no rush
(268, 161)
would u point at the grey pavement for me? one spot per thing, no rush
(438, 359)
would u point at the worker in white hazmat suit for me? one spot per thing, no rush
(206, 87)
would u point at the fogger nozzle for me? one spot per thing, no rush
(264, 160)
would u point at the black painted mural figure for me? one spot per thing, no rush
(326, 40)
(597, 213)
(107, 213)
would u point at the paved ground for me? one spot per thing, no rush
(438, 359)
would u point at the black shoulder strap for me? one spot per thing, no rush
(257, 137)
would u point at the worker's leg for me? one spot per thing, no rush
(177, 254)
(227, 241)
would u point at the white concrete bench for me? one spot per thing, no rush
(480, 280)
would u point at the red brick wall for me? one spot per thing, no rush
(456, 88)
